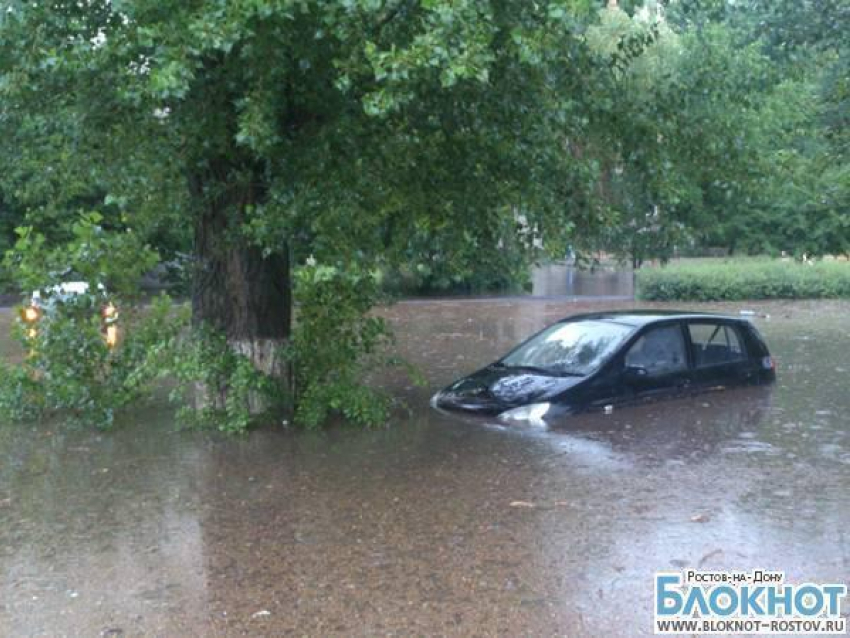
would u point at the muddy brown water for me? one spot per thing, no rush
(561, 279)
(434, 525)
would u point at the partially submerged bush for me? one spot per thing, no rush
(69, 365)
(336, 342)
(740, 279)
(70, 369)
(218, 387)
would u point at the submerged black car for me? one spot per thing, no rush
(607, 359)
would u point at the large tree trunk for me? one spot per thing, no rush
(237, 291)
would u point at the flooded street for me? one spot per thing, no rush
(561, 279)
(435, 525)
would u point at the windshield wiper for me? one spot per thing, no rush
(537, 369)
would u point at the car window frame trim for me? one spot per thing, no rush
(727, 323)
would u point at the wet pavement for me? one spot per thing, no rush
(435, 525)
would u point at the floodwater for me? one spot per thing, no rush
(435, 525)
(565, 280)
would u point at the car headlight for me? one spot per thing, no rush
(532, 414)
(30, 314)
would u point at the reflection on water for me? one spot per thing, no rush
(435, 525)
(687, 429)
(561, 280)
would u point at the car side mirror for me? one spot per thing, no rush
(634, 373)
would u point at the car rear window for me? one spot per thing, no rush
(715, 343)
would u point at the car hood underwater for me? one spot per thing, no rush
(495, 389)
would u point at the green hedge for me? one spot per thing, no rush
(733, 280)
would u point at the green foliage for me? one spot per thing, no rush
(733, 131)
(115, 260)
(798, 197)
(359, 125)
(414, 136)
(324, 369)
(21, 395)
(355, 131)
(337, 344)
(69, 369)
(740, 279)
(217, 387)
(796, 194)
(69, 366)
(679, 154)
(433, 267)
(494, 275)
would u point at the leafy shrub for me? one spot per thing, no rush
(733, 280)
(336, 341)
(69, 367)
(115, 259)
(438, 279)
(218, 387)
(335, 344)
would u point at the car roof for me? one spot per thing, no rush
(66, 288)
(640, 318)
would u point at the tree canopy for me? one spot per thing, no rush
(267, 137)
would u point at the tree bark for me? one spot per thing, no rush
(237, 291)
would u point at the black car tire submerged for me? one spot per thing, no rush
(528, 393)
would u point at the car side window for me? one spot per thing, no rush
(660, 351)
(715, 343)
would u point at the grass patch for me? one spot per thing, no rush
(737, 279)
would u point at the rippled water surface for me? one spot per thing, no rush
(434, 525)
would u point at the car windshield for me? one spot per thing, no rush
(572, 348)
